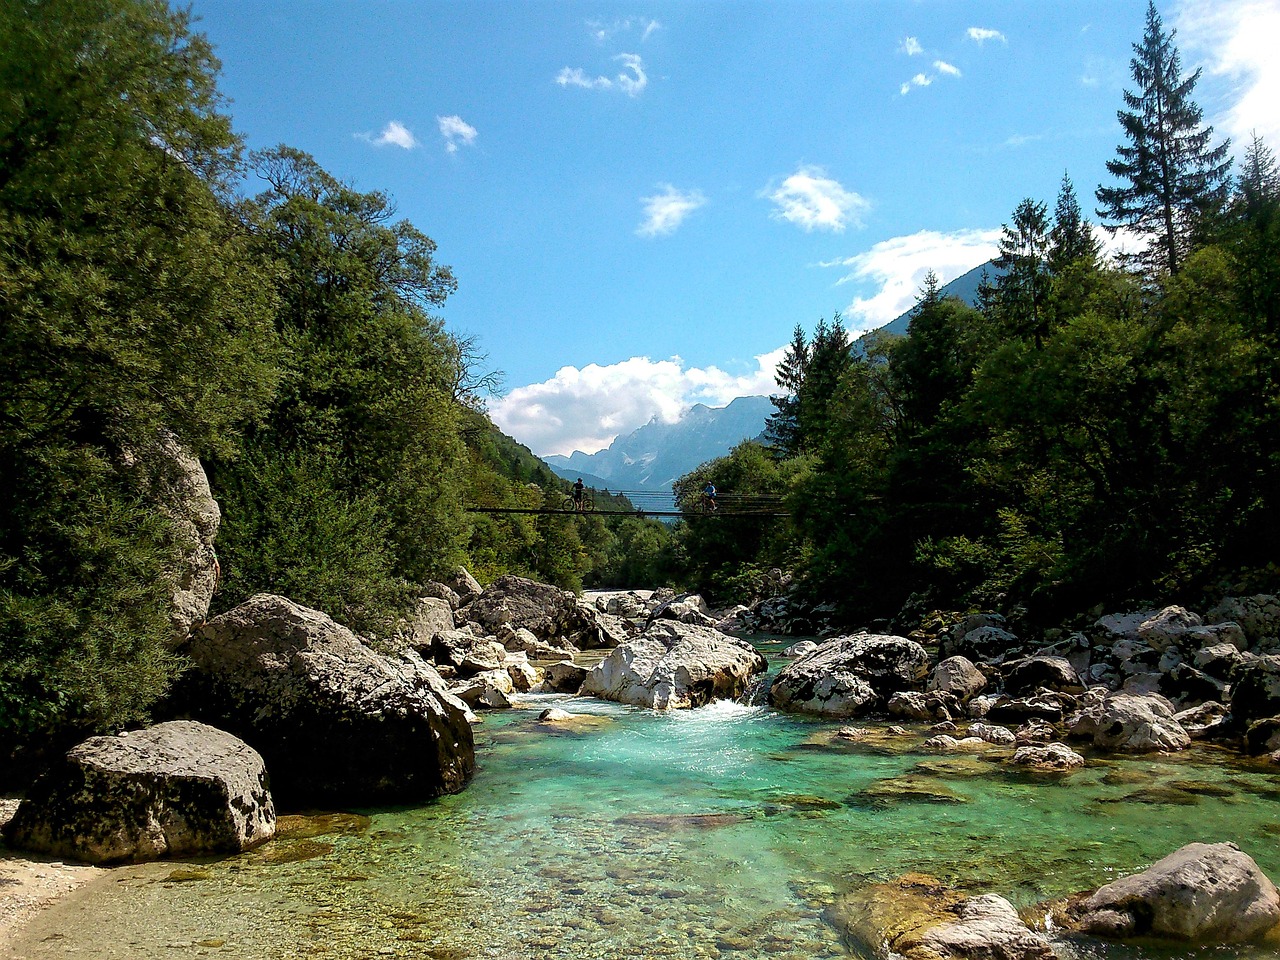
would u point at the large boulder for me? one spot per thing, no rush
(431, 617)
(1204, 892)
(464, 586)
(1026, 676)
(673, 665)
(335, 721)
(916, 918)
(1258, 617)
(176, 481)
(957, 676)
(1131, 723)
(686, 608)
(981, 637)
(1255, 693)
(549, 613)
(847, 676)
(177, 789)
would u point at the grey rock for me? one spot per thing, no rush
(1255, 690)
(846, 676)
(1205, 721)
(957, 676)
(432, 616)
(916, 918)
(1130, 723)
(1049, 756)
(549, 613)
(334, 720)
(1258, 616)
(520, 640)
(442, 591)
(1219, 659)
(1026, 676)
(1035, 731)
(1204, 893)
(464, 585)
(564, 676)
(675, 665)
(800, 649)
(993, 733)
(177, 789)
(686, 608)
(177, 483)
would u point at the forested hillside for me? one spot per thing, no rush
(282, 325)
(1092, 432)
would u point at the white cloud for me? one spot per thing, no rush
(456, 132)
(813, 201)
(665, 211)
(394, 134)
(983, 34)
(1022, 139)
(1237, 40)
(911, 47)
(897, 268)
(604, 32)
(586, 409)
(631, 81)
(949, 69)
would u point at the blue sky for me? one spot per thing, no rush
(641, 200)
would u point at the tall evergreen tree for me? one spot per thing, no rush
(1071, 240)
(1171, 177)
(782, 429)
(1023, 287)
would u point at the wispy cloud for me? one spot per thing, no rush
(587, 408)
(394, 134)
(604, 32)
(1236, 39)
(894, 270)
(919, 80)
(665, 211)
(946, 68)
(911, 47)
(456, 132)
(631, 81)
(982, 34)
(813, 201)
(1022, 139)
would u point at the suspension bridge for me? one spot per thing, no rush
(652, 503)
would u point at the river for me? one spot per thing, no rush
(723, 832)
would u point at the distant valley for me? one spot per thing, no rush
(652, 457)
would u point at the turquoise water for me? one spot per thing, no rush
(721, 832)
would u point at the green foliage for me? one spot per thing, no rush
(1171, 180)
(130, 301)
(715, 550)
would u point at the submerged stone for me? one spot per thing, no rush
(907, 789)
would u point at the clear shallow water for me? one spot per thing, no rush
(720, 832)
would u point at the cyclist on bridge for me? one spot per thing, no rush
(577, 494)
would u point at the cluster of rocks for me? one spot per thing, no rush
(1202, 893)
(1146, 681)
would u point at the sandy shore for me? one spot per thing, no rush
(28, 886)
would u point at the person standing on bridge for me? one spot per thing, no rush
(709, 497)
(577, 495)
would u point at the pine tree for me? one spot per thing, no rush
(782, 429)
(1171, 178)
(1023, 288)
(1071, 240)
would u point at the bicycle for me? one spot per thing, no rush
(585, 505)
